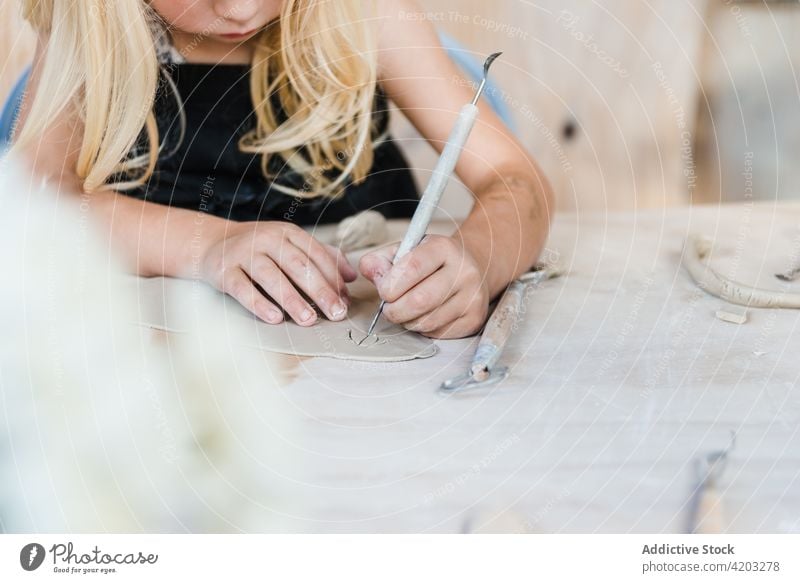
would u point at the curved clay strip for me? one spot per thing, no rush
(710, 281)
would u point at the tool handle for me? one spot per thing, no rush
(438, 181)
(499, 327)
(709, 515)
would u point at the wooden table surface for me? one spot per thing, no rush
(621, 376)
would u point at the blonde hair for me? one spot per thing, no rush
(319, 60)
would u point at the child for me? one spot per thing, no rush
(203, 132)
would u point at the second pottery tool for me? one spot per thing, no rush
(441, 174)
(707, 514)
(482, 371)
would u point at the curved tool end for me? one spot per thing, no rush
(488, 63)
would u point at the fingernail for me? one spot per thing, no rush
(306, 315)
(274, 317)
(338, 310)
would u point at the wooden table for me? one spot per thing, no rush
(621, 376)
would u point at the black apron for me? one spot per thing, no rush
(206, 171)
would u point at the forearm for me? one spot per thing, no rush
(508, 226)
(154, 239)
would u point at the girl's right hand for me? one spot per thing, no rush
(283, 260)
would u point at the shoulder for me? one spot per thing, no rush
(400, 18)
(405, 30)
(394, 8)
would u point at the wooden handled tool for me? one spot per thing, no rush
(707, 515)
(498, 329)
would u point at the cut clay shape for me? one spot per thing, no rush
(172, 305)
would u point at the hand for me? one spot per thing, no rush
(282, 260)
(437, 289)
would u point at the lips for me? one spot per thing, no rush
(239, 35)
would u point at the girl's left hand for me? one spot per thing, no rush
(437, 289)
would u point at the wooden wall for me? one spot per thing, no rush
(675, 102)
(749, 130)
(603, 93)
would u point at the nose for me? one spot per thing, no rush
(236, 10)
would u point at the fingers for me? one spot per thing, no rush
(411, 269)
(285, 262)
(306, 275)
(458, 317)
(437, 289)
(345, 269)
(238, 285)
(277, 285)
(422, 299)
(376, 264)
(327, 263)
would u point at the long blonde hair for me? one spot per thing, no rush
(319, 59)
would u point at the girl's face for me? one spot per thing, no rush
(227, 20)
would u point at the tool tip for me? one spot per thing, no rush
(375, 319)
(488, 62)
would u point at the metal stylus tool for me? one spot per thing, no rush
(441, 174)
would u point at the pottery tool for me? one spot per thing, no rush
(482, 371)
(707, 515)
(441, 174)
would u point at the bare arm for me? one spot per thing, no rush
(149, 236)
(442, 288)
(509, 223)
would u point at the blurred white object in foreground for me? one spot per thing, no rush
(102, 426)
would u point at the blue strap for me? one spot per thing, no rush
(474, 69)
(8, 117)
